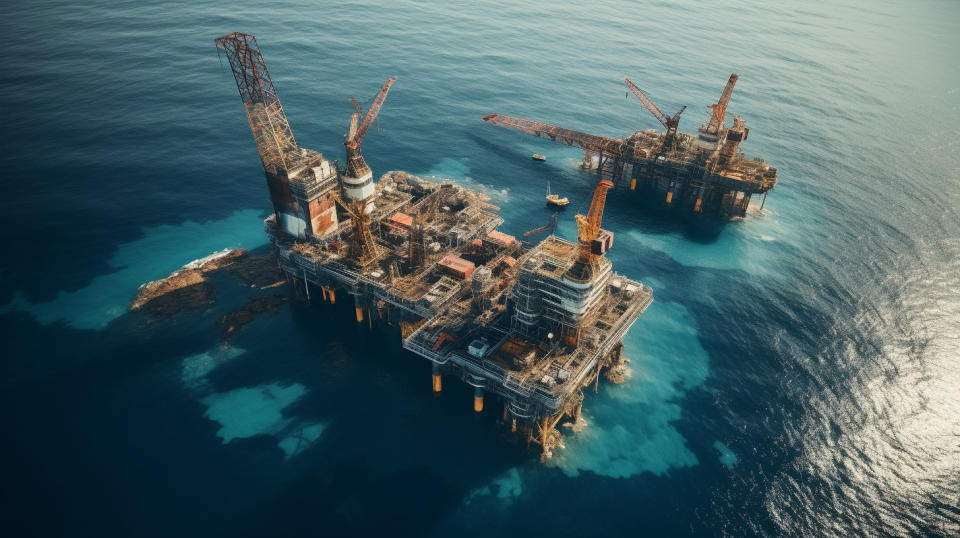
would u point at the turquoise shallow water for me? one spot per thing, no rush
(797, 374)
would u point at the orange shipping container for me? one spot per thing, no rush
(500, 238)
(402, 220)
(456, 266)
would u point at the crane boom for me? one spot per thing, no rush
(589, 249)
(590, 228)
(648, 104)
(354, 120)
(356, 165)
(609, 147)
(719, 109)
(373, 111)
(269, 125)
(727, 91)
(670, 123)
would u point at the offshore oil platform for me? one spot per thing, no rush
(532, 324)
(706, 174)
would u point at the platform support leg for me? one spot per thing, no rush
(596, 386)
(437, 380)
(306, 285)
(358, 307)
(545, 439)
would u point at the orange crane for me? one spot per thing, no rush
(592, 242)
(714, 127)
(670, 123)
(356, 165)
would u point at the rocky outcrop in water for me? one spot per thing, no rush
(190, 287)
(255, 306)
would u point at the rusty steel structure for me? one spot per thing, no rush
(597, 145)
(705, 173)
(362, 247)
(269, 125)
(532, 325)
(714, 127)
(670, 123)
(356, 165)
(300, 180)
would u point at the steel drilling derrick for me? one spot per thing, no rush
(268, 123)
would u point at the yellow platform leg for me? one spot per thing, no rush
(669, 197)
(696, 205)
(633, 184)
(437, 380)
(333, 296)
(478, 400)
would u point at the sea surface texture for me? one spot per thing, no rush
(797, 374)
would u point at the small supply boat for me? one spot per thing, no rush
(555, 199)
(538, 157)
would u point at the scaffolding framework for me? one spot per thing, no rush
(268, 122)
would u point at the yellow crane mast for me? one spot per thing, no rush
(590, 245)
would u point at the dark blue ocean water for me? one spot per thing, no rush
(798, 373)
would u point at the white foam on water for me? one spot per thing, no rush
(630, 426)
(727, 457)
(200, 262)
(746, 248)
(450, 168)
(655, 283)
(162, 250)
(195, 368)
(458, 171)
(250, 411)
(505, 488)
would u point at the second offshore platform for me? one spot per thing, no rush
(705, 174)
(533, 325)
